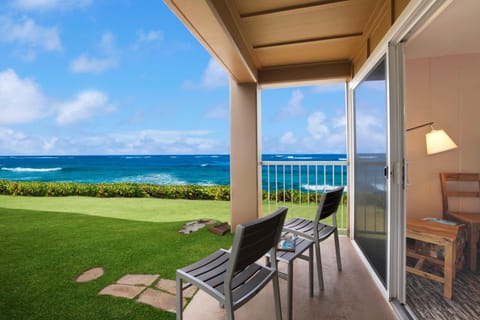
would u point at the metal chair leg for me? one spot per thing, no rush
(276, 295)
(179, 299)
(337, 251)
(310, 270)
(229, 308)
(319, 265)
(290, 291)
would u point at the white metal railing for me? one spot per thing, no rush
(286, 179)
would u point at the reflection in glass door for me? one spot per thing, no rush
(370, 129)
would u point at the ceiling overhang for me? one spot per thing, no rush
(273, 42)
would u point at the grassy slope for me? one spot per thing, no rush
(42, 252)
(139, 209)
(143, 209)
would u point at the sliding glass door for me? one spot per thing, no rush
(371, 169)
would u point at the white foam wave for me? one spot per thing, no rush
(207, 184)
(158, 178)
(137, 157)
(204, 164)
(299, 158)
(20, 169)
(378, 186)
(45, 157)
(318, 187)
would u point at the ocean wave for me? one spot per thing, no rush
(378, 186)
(299, 158)
(136, 157)
(204, 165)
(45, 157)
(158, 178)
(207, 184)
(318, 187)
(20, 169)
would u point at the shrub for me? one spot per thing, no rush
(136, 190)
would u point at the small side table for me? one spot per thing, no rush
(289, 257)
(440, 234)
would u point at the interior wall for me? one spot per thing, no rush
(445, 90)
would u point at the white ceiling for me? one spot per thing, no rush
(456, 30)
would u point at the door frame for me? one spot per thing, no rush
(413, 18)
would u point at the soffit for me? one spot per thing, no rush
(271, 34)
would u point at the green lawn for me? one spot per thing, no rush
(47, 242)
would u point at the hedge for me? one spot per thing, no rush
(135, 190)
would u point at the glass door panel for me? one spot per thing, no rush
(370, 129)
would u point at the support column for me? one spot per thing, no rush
(245, 153)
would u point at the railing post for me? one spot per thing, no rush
(329, 168)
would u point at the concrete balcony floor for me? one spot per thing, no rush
(349, 294)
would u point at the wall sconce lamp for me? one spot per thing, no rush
(437, 140)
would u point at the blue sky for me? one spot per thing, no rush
(126, 77)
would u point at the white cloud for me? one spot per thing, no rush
(288, 138)
(330, 87)
(316, 126)
(17, 143)
(294, 107)
(14, 142)
(27, 32)
(339, 122)
(83, 106)
(370, 132)
(150, 36)
(45, 5)
(85, 64)
(214, 76)
(217, 112)
(154, 142)
(107, 43)
(21, 100)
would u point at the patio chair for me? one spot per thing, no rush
(316, 231)
(233, 278)
(463, 185)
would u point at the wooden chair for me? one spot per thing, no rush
(233, 278)
(316, 231)
(463, 185)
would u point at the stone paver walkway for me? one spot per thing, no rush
(90, 275)
(147, 290)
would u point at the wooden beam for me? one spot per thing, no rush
(286, 43)
(202, 19)
(227, 14)
(305, 73)
(289, 8)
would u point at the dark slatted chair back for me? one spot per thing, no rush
(254, 239)
(329, 203)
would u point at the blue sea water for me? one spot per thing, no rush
(155, 169)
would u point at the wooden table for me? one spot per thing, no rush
(437, 233)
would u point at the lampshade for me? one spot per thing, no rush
(438, 141)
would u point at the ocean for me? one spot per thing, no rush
(160, 169)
